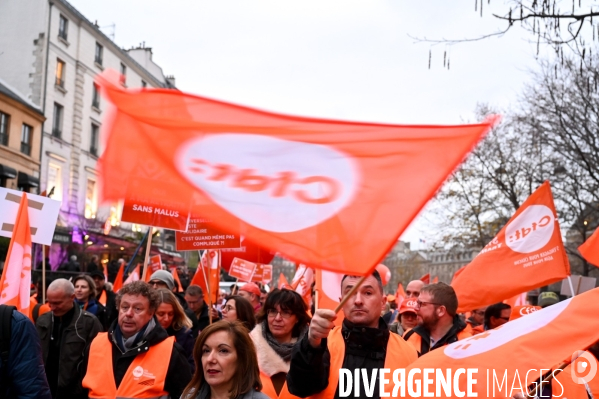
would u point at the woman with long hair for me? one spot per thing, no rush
(282, 322)
(237, 307)
(85, 297)
(172, 318)
(227, 364)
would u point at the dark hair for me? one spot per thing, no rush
(194, 290)
(290, 301)
(90, 283)
(247, 374)
(495, 311)
(374, 274)
(443, 294)
(139, 288)
(244, 310)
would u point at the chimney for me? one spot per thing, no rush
(170, 80)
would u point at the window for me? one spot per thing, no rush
(4, 120)
(55, 181)
(91, 202)
(60, 70)
(96, 97)
(123, 73)
(57, 121)
(93, 143)
(63, 27)
(26, 132)
(144, 84)
(99, 53)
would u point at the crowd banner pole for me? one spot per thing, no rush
(350, 294)
(147, 258)
(134, 254)
(43, 274)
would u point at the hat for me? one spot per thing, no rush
(547, 299)
(251, 288)
(408, 305)
(97, 273)
(390, 298)
(519, 311)
(165, 277)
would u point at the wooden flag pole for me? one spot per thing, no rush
(236, 287)
(43, 274)
(350, 294)
(147, 258)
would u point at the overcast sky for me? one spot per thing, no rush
(339, 59)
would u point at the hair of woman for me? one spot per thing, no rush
(90, 283)
(245, 311)
(180, 319)
(289, 301)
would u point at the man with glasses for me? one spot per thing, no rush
(362, 342)
(497, 315)
(474, 323)
(436, 306)
(129, 361)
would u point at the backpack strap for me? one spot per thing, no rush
(36, 312)
(5, 333)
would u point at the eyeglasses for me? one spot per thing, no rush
(284, 313)
(228, 308)
(420, 303)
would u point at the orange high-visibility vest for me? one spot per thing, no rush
(400, 354)
(268, 389)
(102, 299)
(144, 378)
(416, 340)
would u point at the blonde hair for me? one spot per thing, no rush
(180, 319)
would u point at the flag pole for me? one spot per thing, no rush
(207, 289)
(147, 258)
(43, 274)
(350, 294)
(572, 287)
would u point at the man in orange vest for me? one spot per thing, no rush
(130, 360)
(362, 342)
(436, 305)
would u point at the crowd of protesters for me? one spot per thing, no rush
(148, 340)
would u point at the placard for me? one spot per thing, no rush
(43, 214)
(242, 269)
(266, 274)
(580, 283)
(258, 273)
(201, 234)
(155, 263)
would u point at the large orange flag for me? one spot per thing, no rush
(526, 254)
(590, 248)
(16, 278)
(519, 346)
(342, 211)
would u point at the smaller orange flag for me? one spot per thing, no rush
(400, 294)
(16, 278)
(214, 277)
(283, 283)
(426, 278)
(590, 249)
(435, 280)
(118, 281)
(134, 276)
(176, 277)
(302, 283)
(328, 286)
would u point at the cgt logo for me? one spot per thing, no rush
(274, 184)
(531, 230)
(583, 367)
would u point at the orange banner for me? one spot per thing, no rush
(363, 186)
(526, 254)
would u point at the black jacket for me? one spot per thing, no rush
(309, 369)
(178, 374)
(111, 310)
(185, 338)
(75, 340)
(450, 337)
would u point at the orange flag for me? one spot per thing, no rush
(134, 276)
(118, 281)
(283, 282)
(590, 248)
(517, 300)
(210, 266)
(435, 280)
(526, 254)
(16, 278)
(175, 274)
(302, 283)
(364, 184)
(400, 294)
(328, 286)
(524, 339)
(426, 278)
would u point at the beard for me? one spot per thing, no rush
(430, 321)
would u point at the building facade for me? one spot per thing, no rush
(51, 54)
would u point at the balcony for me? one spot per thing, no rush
(57, 132)
(3, 139)
(26, 149)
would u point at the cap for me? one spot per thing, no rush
(519, 311)
(251, 288)
(97, 273)
(408, 305)
(390, 298)
(547, 299)
(165, 277)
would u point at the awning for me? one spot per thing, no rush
(7, 172)
(25, 180)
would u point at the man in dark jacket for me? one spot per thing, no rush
(23, 375)
(72, 266)
(92, 266)
(65, 333)
(363, 342)
(106, 297)
(436, 306)
(136, 334)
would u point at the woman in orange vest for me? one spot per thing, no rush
(281, 323)
(238, 308)
(172, 318)
(227, 364)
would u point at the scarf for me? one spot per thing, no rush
(283, 350)
(126, 344)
